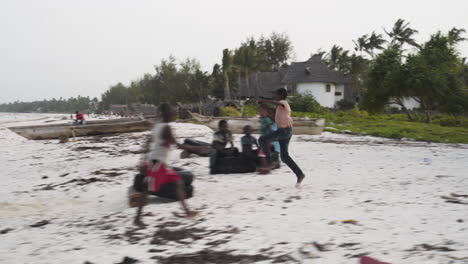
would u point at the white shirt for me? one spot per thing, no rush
(159, 150)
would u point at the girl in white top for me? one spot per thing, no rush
(156, 166)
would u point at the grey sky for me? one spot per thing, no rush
(53, 48)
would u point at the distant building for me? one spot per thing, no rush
(145, 109)
(118, 109)
(409, 103)
(311, 76)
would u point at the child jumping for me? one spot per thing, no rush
(155, 166)
(284, 133)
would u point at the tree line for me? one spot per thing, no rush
(186, 82)
(386, 68)
(60, 105)
(390, 68)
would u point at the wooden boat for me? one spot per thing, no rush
(90, 128)
(302, 126)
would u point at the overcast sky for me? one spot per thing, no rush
(63, 48)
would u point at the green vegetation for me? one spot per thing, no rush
(305, 103)
(229, 111)
(443, 129)
(251, 108)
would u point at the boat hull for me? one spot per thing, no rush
(58, 131)
(236, 124)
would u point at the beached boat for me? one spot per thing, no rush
(302, 126)
(90, 128)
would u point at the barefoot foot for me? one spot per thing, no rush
(191, 214)
(299, 181)
(139, 223)
(187, 215)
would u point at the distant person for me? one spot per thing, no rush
(79, 118)
(221, 139)
(157, 171)
(284, 133)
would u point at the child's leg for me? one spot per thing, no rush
(264, 140)
(284, 145)
(141, 203)
(180, 192)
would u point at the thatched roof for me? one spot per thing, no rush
(261, 84)
(312, 70)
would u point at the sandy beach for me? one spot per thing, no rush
(395, 200)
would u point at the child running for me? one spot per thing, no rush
(283, 134)
(157, 170)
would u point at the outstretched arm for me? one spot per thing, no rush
(269, 102)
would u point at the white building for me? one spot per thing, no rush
(314, 77)
(311, 76)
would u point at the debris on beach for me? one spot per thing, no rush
(78, 182)
(348, 245)
(454, 199)
(40, 223)
(5, 231)
(427, 247)
(350, 221)
(322, 247)
(128, 260)
(309, 250)
(211, 257)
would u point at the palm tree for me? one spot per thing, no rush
(321, 53)
(227, 65)
(375, 41)
(401, 33)
(338, 59)
(249, 59)
(239, 63)
(361, 43)
(455, 35)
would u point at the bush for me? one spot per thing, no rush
(229, 111)
(305, 103)
(450, 121)
(357, 112)
(251, 108)
(345, 104)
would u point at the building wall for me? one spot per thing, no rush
(339, 89)
(318, 90)
(409, 103)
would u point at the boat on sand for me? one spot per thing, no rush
(90, 128)
(302, 126)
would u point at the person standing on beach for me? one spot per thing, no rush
(284, 133)
(155, 165)
(79, 118)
